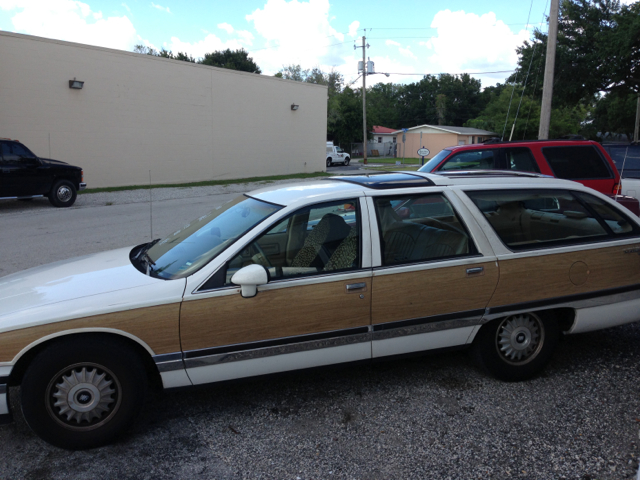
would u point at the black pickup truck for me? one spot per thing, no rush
(23, 175)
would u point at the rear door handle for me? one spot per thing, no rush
(356, 286)
(475, 271)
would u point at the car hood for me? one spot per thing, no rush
(51, 161)
(73, 279)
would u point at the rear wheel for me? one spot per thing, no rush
(63, 194)
(346, 161)
(518, 346)
(82, 393)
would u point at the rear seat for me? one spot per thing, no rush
(408, 241)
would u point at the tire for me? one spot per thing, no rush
(346, 161)
(516, 347)
(329, 162)
(63, 194)
(103, 389)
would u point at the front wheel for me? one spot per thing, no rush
(516, 347)
(329, 162)
(83, 392)
(63, 194)
(346, 161)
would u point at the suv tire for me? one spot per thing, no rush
(63, 194)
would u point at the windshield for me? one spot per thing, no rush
(191, 247)
(433, 163)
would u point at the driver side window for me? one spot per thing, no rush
(322, 238)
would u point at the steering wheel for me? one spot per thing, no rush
(258, 249)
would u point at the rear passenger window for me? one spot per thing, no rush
(419, 228)
(521, 159)
(471, 160)
(526, 219)
(576, 163)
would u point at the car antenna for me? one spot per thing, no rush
(150, 207)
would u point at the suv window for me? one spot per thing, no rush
(526, 219)
(520, 159)
(626, 158)
(577, 162)
(322, 238)
(471, 160)
(13, 152)
(416, 228)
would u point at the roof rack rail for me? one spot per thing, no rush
(561, 139)
(490, 173)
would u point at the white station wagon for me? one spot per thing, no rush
(304, 275)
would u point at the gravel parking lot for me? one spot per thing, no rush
(431, 417)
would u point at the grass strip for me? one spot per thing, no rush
(395, 168)
(208, 182)
(407, 161)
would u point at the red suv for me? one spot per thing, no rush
(580, 160)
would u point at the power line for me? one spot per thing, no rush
(447, 73)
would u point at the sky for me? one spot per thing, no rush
(406, 39)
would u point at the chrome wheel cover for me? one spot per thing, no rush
(64, 193)
(520, 338)
(83, 396)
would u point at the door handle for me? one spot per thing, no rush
(475, 271)
(356, 286)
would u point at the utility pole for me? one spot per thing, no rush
(364, 101)
(547, 87)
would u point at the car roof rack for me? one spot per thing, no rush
(572, 137)
(490, 173)
(385, 181)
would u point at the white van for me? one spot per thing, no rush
(336, 155)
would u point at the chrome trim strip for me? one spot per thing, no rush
(169, 362)
(221, 358)
(21, 196)
(4, 401)
(427, 328)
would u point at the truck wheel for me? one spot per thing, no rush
(82, 393)
(329, 162)
(63, 194)
(518, 346)
(346, 161)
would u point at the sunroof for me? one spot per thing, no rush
(382, 181)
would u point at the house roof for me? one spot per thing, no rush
(449, 129)
(379, 129)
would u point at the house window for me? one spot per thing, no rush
(379, 139)
(461, 142)
(394, 139)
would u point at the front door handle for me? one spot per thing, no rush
(356, 286)
(475, 271)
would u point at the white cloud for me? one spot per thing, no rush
(353, 28)
(70, 20)
(226, 27)
(160, 7)
(197, 49)
(486, 44)
(406, 52)
(127, 7)
(297, 32)
(392, 43)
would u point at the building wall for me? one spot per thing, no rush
(138, 113)
(433, 141)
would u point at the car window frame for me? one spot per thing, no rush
(474, 251)
(609, 236)
(216, 281)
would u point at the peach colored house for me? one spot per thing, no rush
(437, 137)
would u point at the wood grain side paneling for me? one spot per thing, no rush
(537, 278)
(278, 313)
(158, 327)
(431, 292)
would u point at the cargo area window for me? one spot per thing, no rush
(577, 163)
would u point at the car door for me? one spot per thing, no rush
(315, 309)
(433, 276)
(21, 171)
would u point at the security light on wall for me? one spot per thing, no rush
(294, 106)
(77, 84)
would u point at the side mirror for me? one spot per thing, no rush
(249, 278)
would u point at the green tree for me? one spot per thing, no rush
(163, 53)
(231, 59)
(616, 113)
(382, 105)
(564, 120)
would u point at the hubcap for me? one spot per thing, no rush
(64, 193)
(83, 396)
(520, 338)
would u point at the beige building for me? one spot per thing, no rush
(437, 137)
(137, 113)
